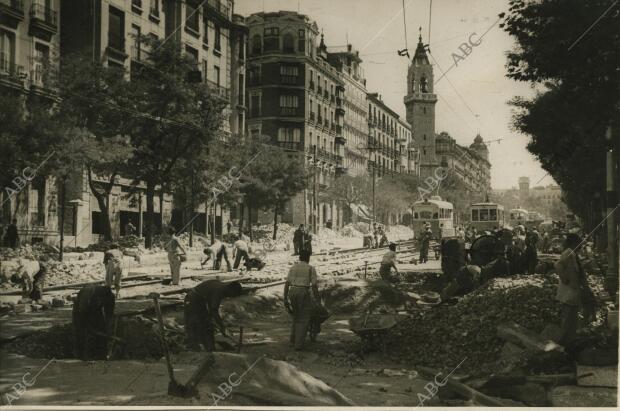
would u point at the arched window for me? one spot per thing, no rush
(413, 83)
(423, 85)
(257, 44)
(288, 43)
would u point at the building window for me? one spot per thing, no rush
(241, 47)
(301, 41)
(192, 16)
(40, 63)
(240, 91)
(218, 38)
(255, 105)
(288, 43)
(272, 39)
(192, 53)
(37, 202)
(288, 105)
(116, 29)
(289, 135)
(289, 74)
(254, 75)
(154, 9)
(256, 44)
(7, 52)
(205, 36)
(216, 72)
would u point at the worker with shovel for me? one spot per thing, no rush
(93, 310)
(201, 307)
(216, 252)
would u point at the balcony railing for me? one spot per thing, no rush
(217, 89)
(9, 69)
(218, 6)
(338, 101)
(43, 13)
(326, 94)
(289, 145)
(13, 8)
(288, 111)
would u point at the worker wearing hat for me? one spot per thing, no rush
(573, 291)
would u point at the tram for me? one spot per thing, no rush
(518, 216)
(437, 213)
(486, 216)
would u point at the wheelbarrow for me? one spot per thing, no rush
(372, 330)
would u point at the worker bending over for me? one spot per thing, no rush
(216, 251)
(387, 263)
(31, 276)
(301, 294)
(240, 250)
(93, 311)
(201, 307)
(113, 262)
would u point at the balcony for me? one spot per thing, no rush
(136, 6)
(43, 21)
(11, 73)
(326, 124)
(312, 116)
(154, 12)
(218, 90)
(11, 12)
(311, 85)
(340, 87)
(288, 111)
(289, 145)
(332, 98)
(340, 140)
(221, 10)
(320, 120)
(319, 90)
(340, 110)
(326, 95)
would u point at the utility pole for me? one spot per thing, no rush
(611, 278)
(191, 207)
(314, 199)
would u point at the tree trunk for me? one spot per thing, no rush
(214, 208)
(275, 222)
(241, 216)
(150, 214)
(250, 222)
(102, 201)
(62, 219)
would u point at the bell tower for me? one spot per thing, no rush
(420, 107)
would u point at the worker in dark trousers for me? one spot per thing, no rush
(531, 250)
(202, 306)
(12, 235)
(217, 251)
(241, 249)
(93, 311)
(297, 238)
(301, 295)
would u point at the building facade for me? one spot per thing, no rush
(470, 164)
(29, 43)
(355, 129)
(295, 98)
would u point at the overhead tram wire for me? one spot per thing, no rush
(452, 85)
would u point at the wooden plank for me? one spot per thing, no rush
(522, 336)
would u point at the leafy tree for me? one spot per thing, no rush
(91, 95)
(171, 119)
(391, 197)
(573, 64)
(349, 190)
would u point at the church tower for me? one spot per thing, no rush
(420, 106)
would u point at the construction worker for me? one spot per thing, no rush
(113, 262)
(240, 250)
(299, 290)
(425, 241)
(31, 276)
(297, 239)
(387, 263)
(12, 236)
(130, 229)
(93, 310)
(531, 250)
(573, 292)
(216, 251)
(175, 250)
(201, 309)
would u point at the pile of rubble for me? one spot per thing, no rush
(446, 335)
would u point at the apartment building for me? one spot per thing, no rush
(383, 123)
(296, 98)
(29, 42)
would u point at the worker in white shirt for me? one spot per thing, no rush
(240, 249)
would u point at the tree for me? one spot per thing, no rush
(170, 118)
(574, 65)
(392, 197)
(274, 179)
(91, 96)
(349, 190)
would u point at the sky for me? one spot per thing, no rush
(474, 93)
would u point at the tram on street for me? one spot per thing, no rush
(437, 213)
(518, 216)
(486, 216)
